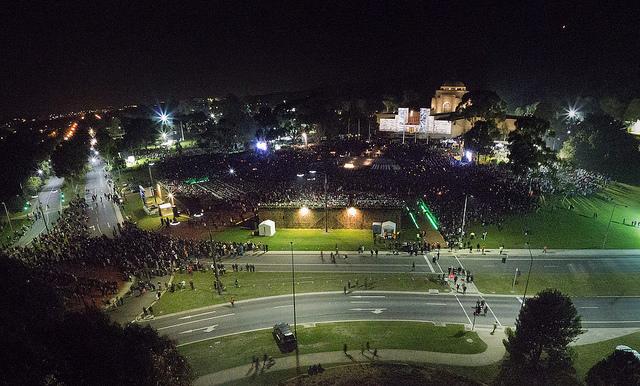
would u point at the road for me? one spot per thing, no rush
(189, 327)
(103, 214)
(570, 261)
(49, 199)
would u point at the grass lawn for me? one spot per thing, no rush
(235, 350)
(260, 284)
(589, 354)
(573, 284)
(310, 239)
(555, 226)
(133, 208)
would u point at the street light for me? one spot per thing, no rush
(8, 218)
(150, 164)
(606, 234)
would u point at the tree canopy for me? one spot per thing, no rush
(621, 368)
(527, 147)
(486, 105)
(479, 138)
(601, 144)
(538, 349)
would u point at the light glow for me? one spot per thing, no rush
(304, 211)
(352, 211)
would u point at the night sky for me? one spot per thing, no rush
(69, 55)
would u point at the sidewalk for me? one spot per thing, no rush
(132, 307)
(488, 252)
(494, 353)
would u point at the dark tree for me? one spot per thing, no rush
(621, 368)
(139, 132)
(479, 138)
(527, 147)
(484, 105)
(537, 353)
(42, 344)
(601, 144)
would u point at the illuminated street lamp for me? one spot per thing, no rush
(164, 118)
(231, 171)
(40, 172)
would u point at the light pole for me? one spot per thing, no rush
(295, 321)
(464, 216)
(150, 164)
(606, 234)
(8, 218)
(526, 286)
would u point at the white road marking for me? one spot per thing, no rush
(288, 305)
(610, 321)
(372, 310)
(519, 299)
(195, 316)
(458, 260)
(429, 263)
(439, 267)
(436, 304)
(367, 296)
(193, 321)
(590, 307)
(359, 302)
(463, 310)
(206, 329)
(551, 266)
(492, 313)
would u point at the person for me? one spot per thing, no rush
(233, 301)
(345, 289)
(486, 308)
(344, 348)
(413, 266)
(495, 325)
(368, 346)
(375, 352)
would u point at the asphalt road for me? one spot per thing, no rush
(569, 261)
(49, 199)
(103, 214)
(192, 326)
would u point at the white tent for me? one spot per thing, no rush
(267, 228)
(388, 227)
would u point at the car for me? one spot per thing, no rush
(284, 337)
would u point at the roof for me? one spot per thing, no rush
(451, 83)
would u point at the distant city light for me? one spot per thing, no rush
(231, 171)
(349, 165)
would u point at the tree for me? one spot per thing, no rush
(632, 113)
(44, 344)
(479, 138)
(613, 107)
(139, 132)
(527, 147)
(601, 144)
(621, 368)
(537, 353)
(484, 105)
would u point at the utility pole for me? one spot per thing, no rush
(464, 217)
(8, 218)
(606, 234)
(295, 321)
(526, 286)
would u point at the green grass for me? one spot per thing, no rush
(573, 284)
(309, 239)
(235, 350)
(133, 208)
(555, 226)
(6, 236)
(589, 354)
(259, 284)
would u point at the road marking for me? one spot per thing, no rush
(492, 313)
(288, 305)
(372, 310)
(519, 299)
(367, 296)
(359, 302)
(206, 329)
(458, 260)
(439, 267)
(551, 266)
(463, 310)
(195, 316)
(590, 307)
(436, 304)
(610, 321)
(193, 321)
(429, 263)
